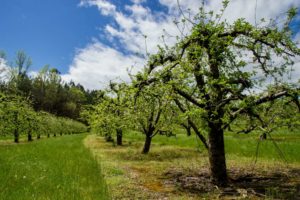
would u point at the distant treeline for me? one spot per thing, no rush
(46, 90)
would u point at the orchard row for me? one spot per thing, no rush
(18, 118)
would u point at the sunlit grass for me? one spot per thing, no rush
(236, 144)
(55, 168)
(129, 173)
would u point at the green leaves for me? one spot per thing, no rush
(220, 67)
(292, 13)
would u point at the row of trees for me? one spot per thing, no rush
(46, 90)
(17, 117)
(207, 83)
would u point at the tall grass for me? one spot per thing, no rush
(56, 168)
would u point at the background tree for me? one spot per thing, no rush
(19, 118)
(108, 115)
(19, 82)
(51, 94)
(118, 106)
(150, 111)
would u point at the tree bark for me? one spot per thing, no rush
(38, 136)
(29, 137)
(147, 144)
(188, 131)
(216, 153)
(119, 136)
(48, 135)
(16, 135)
(16, 131)
(187, 128)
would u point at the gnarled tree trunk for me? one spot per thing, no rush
(216, 154)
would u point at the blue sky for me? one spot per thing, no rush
(48, 30)
(93, 41)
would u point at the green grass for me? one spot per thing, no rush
(130, 174)
(235, 144)
(246, 147)
(62, 168)
(55, 168)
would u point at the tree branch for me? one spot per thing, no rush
(188, 97)
(193, 125)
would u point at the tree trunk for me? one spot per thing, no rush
(119, 136)
(108, 138)
(216, 153)
(188, 131)
(16, 135)
(38, 136)
(147, 144)
(187, 128)
(54, 134)
(263, 136)
(48, 135)
(29, 137)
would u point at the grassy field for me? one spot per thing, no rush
(175, 165)
(55, 168)
(176, 168)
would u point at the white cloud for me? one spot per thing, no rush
(104, 6)
(3, 63)
(138, 1)
(253, 11)
(98, 62)
(4, 69)
(33, 74)
(187, 6)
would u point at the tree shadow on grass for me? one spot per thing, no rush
(274, 185)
